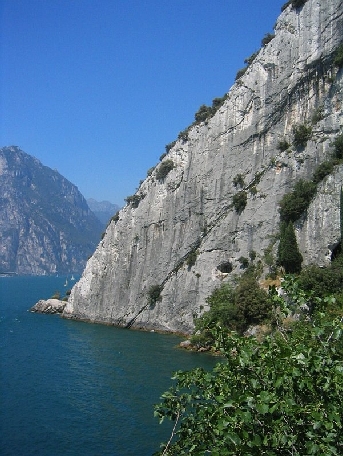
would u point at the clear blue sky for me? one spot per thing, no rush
(97, 88)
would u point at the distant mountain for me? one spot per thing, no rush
(46, 226)
(104, 210)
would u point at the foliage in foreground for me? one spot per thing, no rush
(234, 308)
(281, 396)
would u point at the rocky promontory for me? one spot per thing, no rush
(49, 306)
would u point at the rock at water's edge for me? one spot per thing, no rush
(49, 306)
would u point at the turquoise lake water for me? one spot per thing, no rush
(73, 388)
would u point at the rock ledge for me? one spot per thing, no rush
(49, 306)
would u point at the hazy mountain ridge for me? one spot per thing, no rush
(104, 210)
(46, 225)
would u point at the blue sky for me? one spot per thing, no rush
(97, 88)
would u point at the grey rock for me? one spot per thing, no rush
(49, 306)
(191, 209)
(46, 225)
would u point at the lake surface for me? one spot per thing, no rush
(73, 388)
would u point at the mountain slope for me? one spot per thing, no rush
(104, 210)
(213, 201)
(45, 224)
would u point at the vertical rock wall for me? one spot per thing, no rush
(191, 211)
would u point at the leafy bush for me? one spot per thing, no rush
(249, 60)
(191, 258)
(239, 201)
(283, 145)
(289, 255)
(294, 3)
(170, 146)
(323, 281)
(240, 73)
(223, 311)
(217, 103)
(238, 181)
(150, 171)
(301, 134)
(293, 204)
(252, 255)
(323, 170)
(235, 308)
(267, 38)
(338, 59)
(206, 112)
(154, 294)
(134, 200)
(115, 217)
(203, 113)
(279, 396)
(318, 115)
(183, 135)
(338, 147)
(244, 262)
(164, 168)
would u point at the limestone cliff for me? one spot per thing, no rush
(46, 226)
(184, 231)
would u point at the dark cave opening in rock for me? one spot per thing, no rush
(225, 267)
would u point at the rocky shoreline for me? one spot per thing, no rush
(49, 306)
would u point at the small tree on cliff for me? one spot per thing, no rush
(289, 255)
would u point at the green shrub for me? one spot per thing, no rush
(183, 135)
(235, 308)
(254, 305)
(301, 134)
(239, 201)
(278, 396)
(293, 204)
(217, 103)
(318, 115)
(154, 294)
(170, 146)
(240, 73)
(162, 156)
(294, 3)
(191, 258)
(267, 38)
(289, 255)
(134, 200)
(56, 295)
(164, 168)
(283, 145)
(238, 181)
(249, 60)
(253, 190)
(323, 170)
(115, 217)
(338, 59)
(203, 113)
(338, 147)
(252, 255)
(244, 262)
(150, 171)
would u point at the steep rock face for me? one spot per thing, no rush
(45, 224)
(189, 216)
